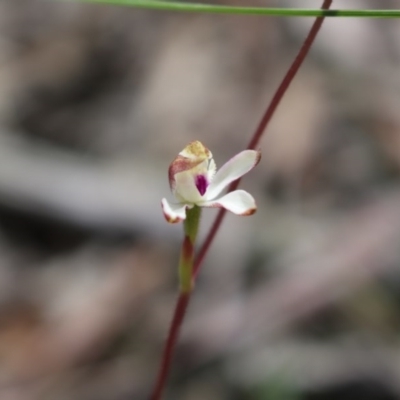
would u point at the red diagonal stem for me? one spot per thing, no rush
(179, 314)
(265, 120)
(183, 300)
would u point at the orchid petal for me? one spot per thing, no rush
(186, 190)
(236, 167)
(173, 213)
(239, 202)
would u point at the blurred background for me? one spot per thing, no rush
(299, 302)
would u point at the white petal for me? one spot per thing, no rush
(236, 167)
(239, 202)
(185, 186)
(173, 212)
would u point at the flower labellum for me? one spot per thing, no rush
(193, 180)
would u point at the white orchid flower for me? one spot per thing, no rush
(194, 181)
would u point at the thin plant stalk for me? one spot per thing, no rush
(173, 334)
(185, 6)
(262, 126)
(187, 265)
(191, 227)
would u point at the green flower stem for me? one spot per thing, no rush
(191, 224)
(191, 227)
(226, 9)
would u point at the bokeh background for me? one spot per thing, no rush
(300, 301)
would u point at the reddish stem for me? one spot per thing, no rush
(179, 313)
(276, 99)
(184, 298)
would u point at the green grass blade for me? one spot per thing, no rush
(218, 9)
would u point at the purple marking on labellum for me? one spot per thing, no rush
(201, 184)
